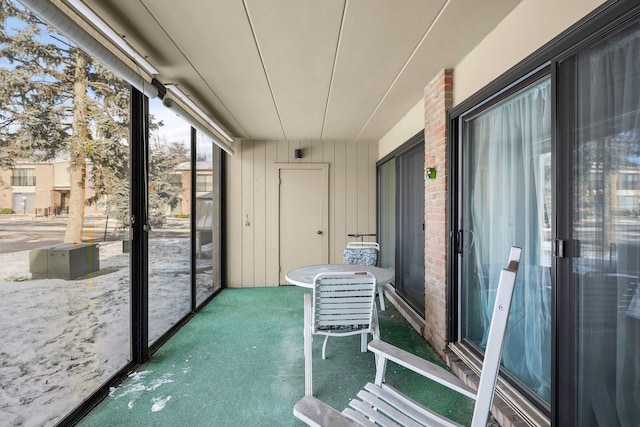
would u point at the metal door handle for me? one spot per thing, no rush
(319, 231)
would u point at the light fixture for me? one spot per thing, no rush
(55, 17)
(297, 153)
(189, 118)
(189, 103)
(108, 32)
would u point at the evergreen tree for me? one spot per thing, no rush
(59, 101)
(164, 190)
(33, 113)
(56, 100)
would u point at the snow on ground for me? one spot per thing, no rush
(64, 338)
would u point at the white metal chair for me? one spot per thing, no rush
(343, 304)
(382, 405)
(364, 253)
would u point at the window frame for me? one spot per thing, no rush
(23, 179)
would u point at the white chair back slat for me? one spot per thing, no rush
(354, 245)
(354, 310)
(334, 325)
(346, 300)
(339, 291)
(351, 309)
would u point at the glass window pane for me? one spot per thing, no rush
(387, 217)
(607, 229)
(23, 177)
(169, 211)
(507, 201)
(64, 202)
(208, 273)
(409, 278)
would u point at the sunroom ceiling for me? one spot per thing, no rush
(302, 69)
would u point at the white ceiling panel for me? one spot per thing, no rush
(377, 40)
(298, 41)
(215, 37)
(302, 69)
(454, 33)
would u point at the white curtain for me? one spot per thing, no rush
(508, 204)
(606, 274)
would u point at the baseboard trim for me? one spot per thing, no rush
(414, 319)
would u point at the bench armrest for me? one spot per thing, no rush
(316, 413)
(385, 351)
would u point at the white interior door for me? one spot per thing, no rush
(303, 220)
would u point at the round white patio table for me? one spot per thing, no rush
(303, 276)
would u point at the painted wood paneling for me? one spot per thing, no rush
(233, 225)
(248, 235)
(339, 196)
(252, 240)
(270, 221)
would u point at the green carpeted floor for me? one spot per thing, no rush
(240, 362)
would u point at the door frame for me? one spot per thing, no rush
(324, 168)
(410, 144)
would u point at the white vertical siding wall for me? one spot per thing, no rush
(252, 241)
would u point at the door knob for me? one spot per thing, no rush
(319, 231)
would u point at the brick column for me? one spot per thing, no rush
(438, 99)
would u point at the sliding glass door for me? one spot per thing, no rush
(169, 211)
(65, 158)
(401, 219)
(506, 200)
(410, 227)
(552, 164)
(207, 214)
(600, 361)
